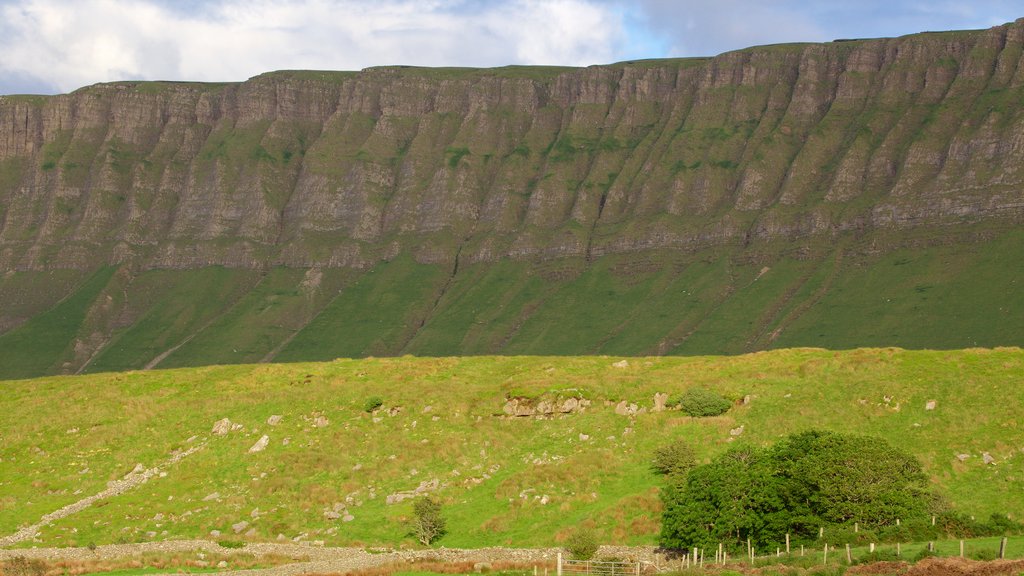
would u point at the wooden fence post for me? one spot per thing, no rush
(825, 556)
(801, 550)
(559, 564)
(897, 548)
(961, 548)
(1002, 547)
(787, 543)
(849, 557)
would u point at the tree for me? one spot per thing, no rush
(427, 525)
(805, 481)
(676, 458)
(582, 544)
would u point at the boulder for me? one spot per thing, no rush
(221, 427)
(260, 444)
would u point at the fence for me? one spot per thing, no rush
(596, 568)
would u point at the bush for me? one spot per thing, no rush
(673, 459)
(428, 525)
(699, 402)
(372, 403)
(230, 544)
(21, 566)
(582, 544)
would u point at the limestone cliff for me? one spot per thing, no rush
(346, 169)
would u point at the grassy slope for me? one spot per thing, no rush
(35, 346)
(491, 468)
(940, 297)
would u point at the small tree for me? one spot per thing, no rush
(427, 525)
(582, 544)
(673, 459)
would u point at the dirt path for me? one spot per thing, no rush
(132, 480)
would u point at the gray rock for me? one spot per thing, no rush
(331, 515)
(930, 405)
(274, 420)
(736, 431)
(660, 401)
(987, 458)
(211, 496)
(260, 444)
(621, 364)
(238, 527)
(348, 518)
(221, 427)
(963, 457)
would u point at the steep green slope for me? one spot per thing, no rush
(503, 480)
(946, 295)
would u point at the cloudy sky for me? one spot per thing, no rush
(51, 46)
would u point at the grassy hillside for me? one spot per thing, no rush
(947, 295)
(522, 481)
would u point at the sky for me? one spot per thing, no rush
(55, 46)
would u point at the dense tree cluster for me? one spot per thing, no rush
(804, 482)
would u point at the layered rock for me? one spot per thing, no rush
(329, 169)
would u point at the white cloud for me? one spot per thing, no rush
(71, 43)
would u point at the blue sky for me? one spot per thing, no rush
(52, 46)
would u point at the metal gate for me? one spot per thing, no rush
(597, 568)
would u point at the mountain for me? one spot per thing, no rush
(853, 193)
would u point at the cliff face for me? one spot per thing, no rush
(346, 169)
(863, 193)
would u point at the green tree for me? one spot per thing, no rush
(805, 481)
(676, 458)
(428, 524)
(582, 544)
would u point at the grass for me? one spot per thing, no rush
(35, 346)
(441, 419)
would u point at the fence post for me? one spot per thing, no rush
(871, 548)
(897, 548)
(787, 543)
(849, 557)
(559, 564)
(825, 556)
(801, 550)
(1002, 547)
(961, 548)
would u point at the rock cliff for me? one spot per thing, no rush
(346, 169)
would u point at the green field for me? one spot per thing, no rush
(442, 419)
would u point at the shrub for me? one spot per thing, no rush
(372, 403)
(21, 566)
(699, 402)
(582, 544)
(673, 459)
(428, 525)
(230, 544)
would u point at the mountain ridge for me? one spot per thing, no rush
(862, 193)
